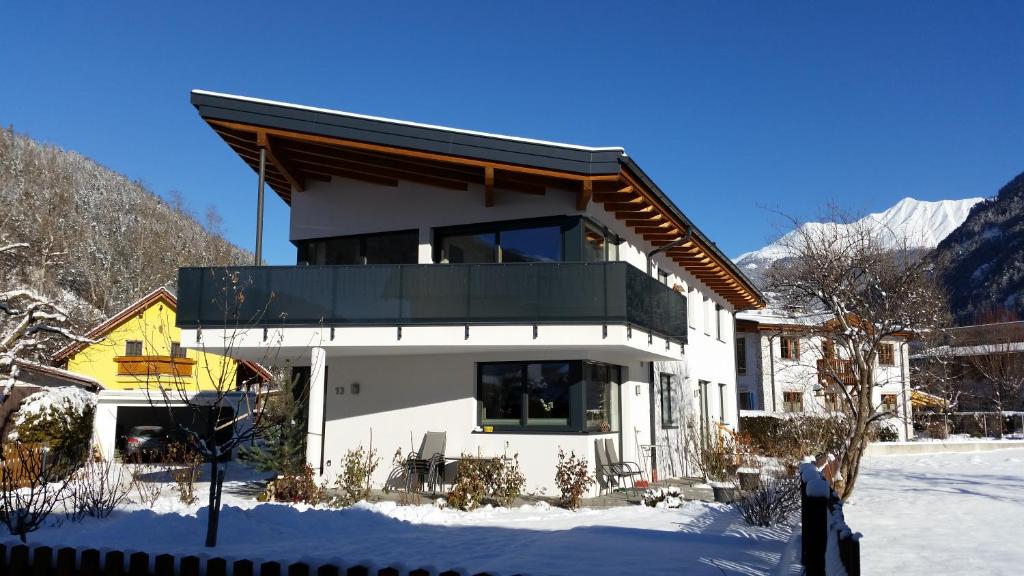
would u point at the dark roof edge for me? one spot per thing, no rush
(409, 135)
(639, 172)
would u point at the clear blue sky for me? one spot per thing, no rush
(729, 106)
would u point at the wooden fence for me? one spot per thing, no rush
(828, 546)
(23, 560)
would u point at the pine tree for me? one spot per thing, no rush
(284, 440)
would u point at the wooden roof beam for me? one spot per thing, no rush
(263, 141)
(584, 195)
(488, 186)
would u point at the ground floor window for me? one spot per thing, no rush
(889, 403)
(792, 402)
(746, 400)
(568, 395)
(668, 401)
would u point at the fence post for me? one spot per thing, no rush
(164, 565)
(243, 568)
(42, 560)
(328, 570)
(138, 564)
(270, 569)
(298, 569)
(66, 562)
(814, 519)
(216, 567)
(189, 566)
(90, 564)
(113, 563)
(3, 560)
(849, 552)
(358, 571)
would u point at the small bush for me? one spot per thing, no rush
(790, 439)
(505, 481)
(97, 488)
(773, 502)
(671, 497)
(353, 484)
(60, 418)
(295, 487)
(888, 434)
(715, 460)
(470, 484)
(184, 470)
(572, 475)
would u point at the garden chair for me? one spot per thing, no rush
(428, 464)
(617, 469)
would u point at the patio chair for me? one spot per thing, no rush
(428, 464)
(617, 469)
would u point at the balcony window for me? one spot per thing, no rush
(542, 244)
(385, 248)
(572, 395)
(598, 244)
(470, 248)
(555, 239)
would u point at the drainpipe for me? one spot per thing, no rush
(259, 206)
(903, 384)
(654, 436)
(666, 248)
(771, 369)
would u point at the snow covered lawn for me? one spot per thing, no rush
(941, 513)
(697, 538)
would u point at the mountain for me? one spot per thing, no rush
(923, 223)
(96, 240)
(983, 259)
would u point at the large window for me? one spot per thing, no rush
(668, 401)
(598, 244)
(886, 355)
(746, 400)
(386, 248)
(555, 239)
(558, 396)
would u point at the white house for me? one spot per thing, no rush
(521, 296)
(783, 366)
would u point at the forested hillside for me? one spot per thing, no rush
(94, 239)
(983, 259)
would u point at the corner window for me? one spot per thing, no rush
(792, 401)
(133, 348)
(741, 355)
(789, 348)
(568, 395)
(668, 401)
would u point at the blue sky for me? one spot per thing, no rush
(732, 107)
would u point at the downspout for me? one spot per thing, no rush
(903, 385)
(666, 248)
(771, 369)
(654, 436)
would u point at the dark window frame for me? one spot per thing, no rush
(577, 422)
(745, 400)
(303, 246)
(741, 355)
(721, 402)
(177, 351)
(573, 229)
(789, 348)
(666, 383)
(128, 345)
(886, 354)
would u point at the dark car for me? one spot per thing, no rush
(145, 443)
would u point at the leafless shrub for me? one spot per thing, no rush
(97, 488)
(470, 484)
(353, 484)
(773, 502)
(183, 465)
(144, 491)
(32, 484)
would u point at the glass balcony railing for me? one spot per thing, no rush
(429, 294)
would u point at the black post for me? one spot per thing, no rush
(259, 207)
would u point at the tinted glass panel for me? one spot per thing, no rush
(532, 245)
(342, 251)
(470, 248)
(602, 402)
(594, 245)
(548, 388)
(501, 394)
(399, 248)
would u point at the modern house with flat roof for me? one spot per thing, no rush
(520, 296)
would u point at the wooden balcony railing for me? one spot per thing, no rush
(154, 366)
(836, 371)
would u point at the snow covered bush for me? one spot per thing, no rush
(773, 502)
(470, 485)
(572, 475)
(60, 418)
(671, 497)
(888, 434)
(353, 484)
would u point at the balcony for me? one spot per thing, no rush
(429, 295)
(836, 371)
(154, 366)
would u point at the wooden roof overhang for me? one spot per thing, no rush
(307, 144)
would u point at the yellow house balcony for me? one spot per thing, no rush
(154, 366)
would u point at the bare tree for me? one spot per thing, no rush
(872, 287)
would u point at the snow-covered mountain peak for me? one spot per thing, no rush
(924, 224)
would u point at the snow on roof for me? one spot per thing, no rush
(60, 373)
(775, 316)
(408, 123)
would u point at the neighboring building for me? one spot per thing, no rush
(784, 365)
(34, 377)
(974, 366)
(521, 296)
(138, 360)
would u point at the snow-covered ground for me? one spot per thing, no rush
(949, 513)
(698, 538)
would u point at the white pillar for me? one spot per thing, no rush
(315, 417)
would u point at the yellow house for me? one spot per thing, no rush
(138, 349)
